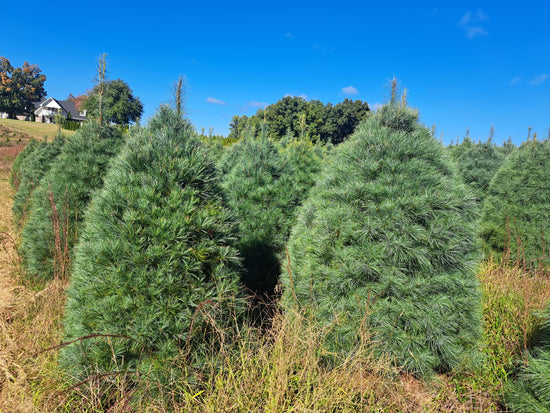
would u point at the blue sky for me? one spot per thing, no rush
(464, 64)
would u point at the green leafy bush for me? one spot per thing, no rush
(15, 173)
(531, 392)
(516, 213)
(387, 242)
(477, 163)
(59, 204)
(153, 268)
(263, 184)
(31, 171)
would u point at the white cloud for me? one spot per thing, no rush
(289, 35)
(471, 23)
(465, 19)
(539, 79)
(350, 90)
(303, 96)
(215, 101)
(515, 80)
(472, 32)
(323, 48)
(257, 104)
(481, 16)
(375, 106)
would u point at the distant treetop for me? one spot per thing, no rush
(299, 118)
(119, 105)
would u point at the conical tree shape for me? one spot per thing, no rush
(15, 173)
(477, 163)
(31, 171)
(263, 184)
(154, 267)
(387, 241)
(59, 204)
(517, 207)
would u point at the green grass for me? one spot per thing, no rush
(35, 130)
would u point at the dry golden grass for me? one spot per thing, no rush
(29, 319)
(512, 298)
(286, 371)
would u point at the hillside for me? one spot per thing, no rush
(10, 128)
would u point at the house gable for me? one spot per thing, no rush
(46, 110)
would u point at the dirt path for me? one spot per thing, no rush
(29, 317)
(8, 255)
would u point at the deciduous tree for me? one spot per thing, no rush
(20, 87)
(118, 103)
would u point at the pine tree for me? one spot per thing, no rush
(387, 242)
(15, 173)
(477, 163)
(516, 213)
(264, 183)
(59, 204)
(154, 277)
(31, 171)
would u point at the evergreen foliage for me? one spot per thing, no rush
(517, 207)
(58, 205)
(15, 173)
(154, 267)
(477, 163)
(33, 167)
(264, 183)
(387, 242)
(531, 392)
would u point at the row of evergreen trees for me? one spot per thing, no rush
(378, 234)
(511, 186)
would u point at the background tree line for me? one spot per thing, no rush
(300, 118)
(20, 87)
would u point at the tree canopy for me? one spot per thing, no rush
(300, 118)
(119, 105)
(20, 87)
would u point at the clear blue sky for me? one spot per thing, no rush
(465, 64)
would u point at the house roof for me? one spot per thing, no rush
(68, 106)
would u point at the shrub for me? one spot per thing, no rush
(516, 213)
(531, 392)
(58, 205)
(71, 124)
(15, 174)
(477, 163)
(31, 171)
(263, 184)
(386, 242)
(154, 275)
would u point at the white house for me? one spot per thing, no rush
(46, 110)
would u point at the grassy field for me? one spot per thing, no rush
(19, 129)
(281, 370)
